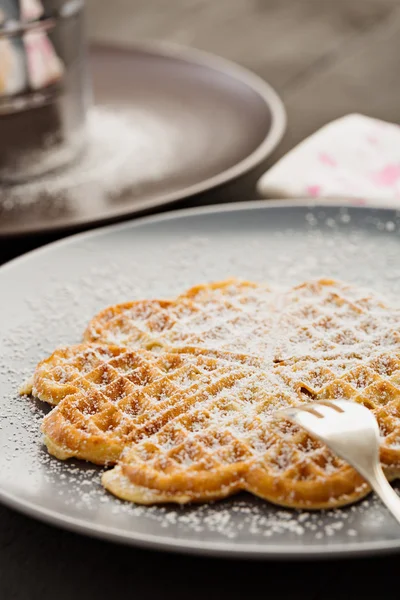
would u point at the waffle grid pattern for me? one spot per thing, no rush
(194, 421)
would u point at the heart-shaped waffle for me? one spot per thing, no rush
(194, 420)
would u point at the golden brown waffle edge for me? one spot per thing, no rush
(332, 324)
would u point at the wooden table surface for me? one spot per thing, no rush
(326, 59)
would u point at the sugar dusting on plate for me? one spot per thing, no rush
(119, 155)
(58, 310)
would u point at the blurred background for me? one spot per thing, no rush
(187, 127)
(325, 58)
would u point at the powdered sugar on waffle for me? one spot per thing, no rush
(229, 399)
(64, 301)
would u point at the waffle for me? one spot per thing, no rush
(125, 395)
(317, 319)
(195, 428)
(193, 418)
(230, 441)
(207, 318)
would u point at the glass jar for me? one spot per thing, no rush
(44, 89)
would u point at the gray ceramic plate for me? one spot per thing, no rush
(48, 296)
(197, 122)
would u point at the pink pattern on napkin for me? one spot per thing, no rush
(388, 176)
(327, 159)
(372, 139)
(355, 158)
(313, 190)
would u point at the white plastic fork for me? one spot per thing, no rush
(352, 432)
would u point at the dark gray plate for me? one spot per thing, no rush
(199, 122)
(48, 296)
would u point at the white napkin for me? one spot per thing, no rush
(356, 158)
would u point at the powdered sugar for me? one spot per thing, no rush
(118, 155)
(55, 302)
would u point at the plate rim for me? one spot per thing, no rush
(270, 97)
(304, 201)
(227, 549)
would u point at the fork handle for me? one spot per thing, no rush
(386, 493)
